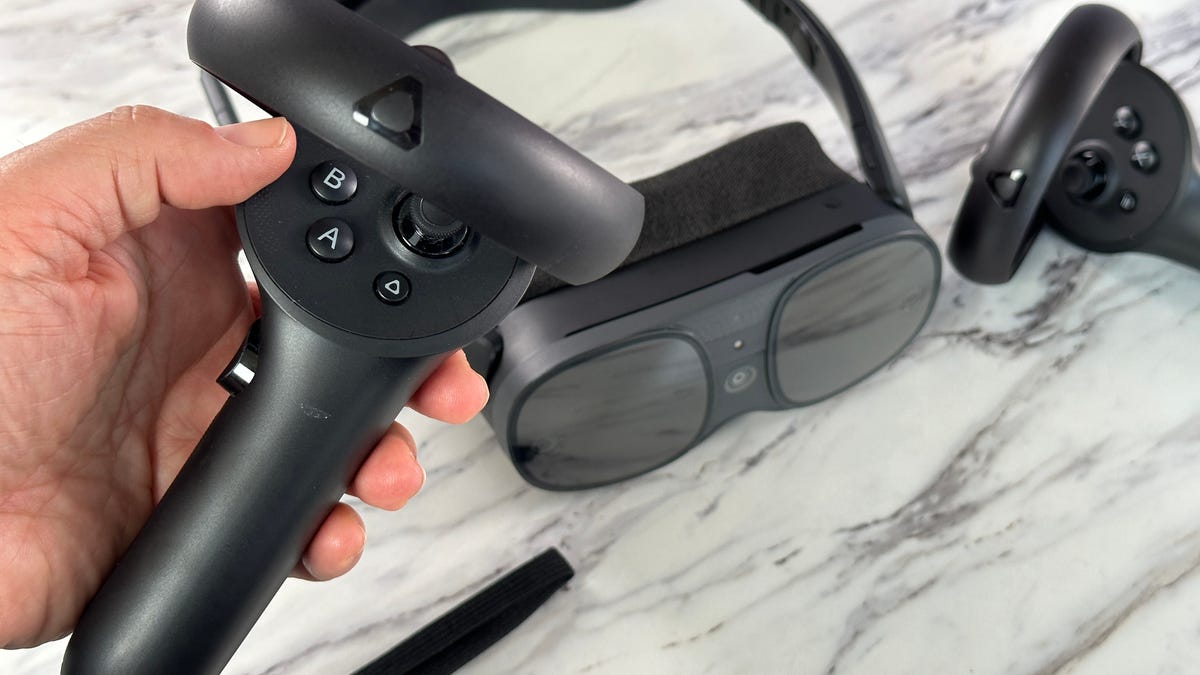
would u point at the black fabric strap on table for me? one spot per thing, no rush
(468, 630)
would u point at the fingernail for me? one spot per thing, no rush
(424, 477)
(268, 133)
(352, 559)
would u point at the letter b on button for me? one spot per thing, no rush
(335, 179)
(334, 183)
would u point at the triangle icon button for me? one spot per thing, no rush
(392, 288)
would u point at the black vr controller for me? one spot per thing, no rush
(408, 226)
(1093, 143)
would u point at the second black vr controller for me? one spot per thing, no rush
(408, 226)
(1093, 143)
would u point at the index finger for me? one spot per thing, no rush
(454, 393)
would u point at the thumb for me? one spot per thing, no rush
(99, 179)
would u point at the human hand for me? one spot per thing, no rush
(120, 302)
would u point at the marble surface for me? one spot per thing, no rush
(1020, 493)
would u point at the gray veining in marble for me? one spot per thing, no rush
(1018, 494)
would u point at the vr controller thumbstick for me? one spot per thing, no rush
(1085, 176)
(428, 230)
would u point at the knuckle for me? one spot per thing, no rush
(118, 117)
(136, 120)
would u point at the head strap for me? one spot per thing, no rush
(809, 37)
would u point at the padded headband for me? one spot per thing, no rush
(809, 37)
(723, 189)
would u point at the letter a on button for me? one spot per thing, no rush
(330, 239)
(332, 236)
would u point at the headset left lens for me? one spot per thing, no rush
(612, 416)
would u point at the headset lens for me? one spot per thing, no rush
(612, 416)
(852, 318)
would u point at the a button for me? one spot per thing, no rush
(334, 183)
(1128, 202)
(1145, 157)
(331, 240)
(1126, 122)
(1007, 186)
(392, 287)
(741, 379)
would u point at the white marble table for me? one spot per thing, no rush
(1020, 493)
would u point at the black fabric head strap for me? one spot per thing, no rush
(811, 40)
(724, 188)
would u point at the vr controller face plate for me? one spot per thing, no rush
(1003, 208)
(328, 236)
(1097, 145)
(1127, 165)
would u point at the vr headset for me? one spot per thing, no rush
(765, 278)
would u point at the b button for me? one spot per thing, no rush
(334, 183)
(331, 240)
(392, 287)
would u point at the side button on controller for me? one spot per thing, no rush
(1006, 186)
(392, 288)
(331, 240)
(240, 371)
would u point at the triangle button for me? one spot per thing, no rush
(392, 288)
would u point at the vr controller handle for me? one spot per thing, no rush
(1177, 237)
(244, 507)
